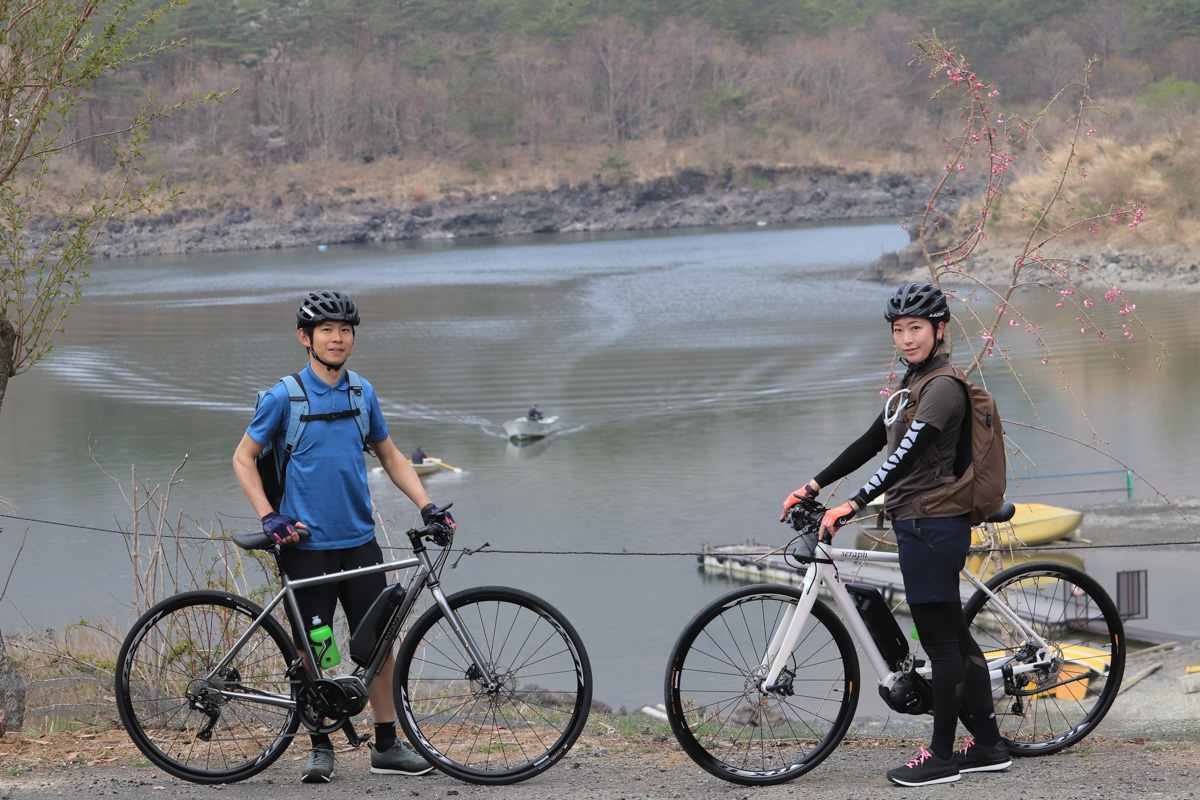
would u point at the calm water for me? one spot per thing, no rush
(701, 376)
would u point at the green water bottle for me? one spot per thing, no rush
(324, 647)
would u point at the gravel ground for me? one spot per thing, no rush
(1147, 747)
(1099, 768)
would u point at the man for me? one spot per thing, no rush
(534, 415)
(326, 495)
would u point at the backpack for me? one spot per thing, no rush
(980, 466)
(272, 462)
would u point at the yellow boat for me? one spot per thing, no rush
(1032, 524)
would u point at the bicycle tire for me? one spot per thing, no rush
(521, 728)
(1068, 608)
(165, 656)
(717, 710)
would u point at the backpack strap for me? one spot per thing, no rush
(357, 410)
(964, 438)
(360, 405)
(298, 414)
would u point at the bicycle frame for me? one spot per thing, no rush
(824, 571)
(422, 579)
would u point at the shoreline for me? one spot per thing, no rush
(690, 198)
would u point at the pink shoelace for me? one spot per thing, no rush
(922, 754)
(967, 743)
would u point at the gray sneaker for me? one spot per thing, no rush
(319, 767)
(399, 759)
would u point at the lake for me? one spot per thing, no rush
(700, 376)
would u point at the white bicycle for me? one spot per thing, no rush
(763, 683)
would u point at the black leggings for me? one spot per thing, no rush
(960, 676)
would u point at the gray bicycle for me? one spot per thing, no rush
(492, 684)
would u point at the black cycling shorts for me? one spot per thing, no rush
(933, 551)
(356, 594)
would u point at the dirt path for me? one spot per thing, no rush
(625, 768)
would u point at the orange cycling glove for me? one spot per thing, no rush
(835, 518)
(805, 492)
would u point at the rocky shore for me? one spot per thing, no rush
(613, 202)
(1154, 268)
(688, 198)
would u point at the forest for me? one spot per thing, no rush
(424, 96)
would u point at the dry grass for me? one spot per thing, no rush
(280, 188)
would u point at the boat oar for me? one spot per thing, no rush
(444, 464)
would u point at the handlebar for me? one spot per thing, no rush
(805, 516)
(439, 534)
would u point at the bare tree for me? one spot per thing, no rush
(50, 56)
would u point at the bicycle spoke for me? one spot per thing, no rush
(168, 694)
(1062, 700)
(724, 718)
(514, 728)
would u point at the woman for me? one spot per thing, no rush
(932, 550)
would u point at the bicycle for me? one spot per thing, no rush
(763, 683)
(492, 684)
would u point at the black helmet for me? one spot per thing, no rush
(918, 300)
(321, 307)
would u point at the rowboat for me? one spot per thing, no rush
(426, 467)
(523, 428)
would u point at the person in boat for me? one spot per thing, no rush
(326, 493)
(932, 550)
(534, 415)
(418, 456)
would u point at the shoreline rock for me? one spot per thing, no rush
(689, 198)
(1136, 271)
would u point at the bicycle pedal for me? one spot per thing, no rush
(355, 738)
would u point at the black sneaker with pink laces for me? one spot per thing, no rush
(925, 769)
(975, 757)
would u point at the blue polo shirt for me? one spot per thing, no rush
(327, 474)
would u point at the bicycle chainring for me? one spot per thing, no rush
(324, 707)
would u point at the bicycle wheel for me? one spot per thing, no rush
(1055, 707)
(718, 709)
(167, 700)
(521, 727)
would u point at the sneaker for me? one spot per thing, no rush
(319, 767)
(925, 769)
(975, 757)
(399, 759)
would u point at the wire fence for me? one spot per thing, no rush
(1067, 545)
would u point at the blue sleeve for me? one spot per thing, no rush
(270, 418)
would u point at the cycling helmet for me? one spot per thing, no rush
(321, 307)
(918, 300)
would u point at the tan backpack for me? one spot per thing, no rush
(979, 487)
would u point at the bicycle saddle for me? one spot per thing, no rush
(253, 540)
(1002, 514)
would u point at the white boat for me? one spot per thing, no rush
(426, 467)
(524, 428)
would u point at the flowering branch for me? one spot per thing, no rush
(982, 156)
